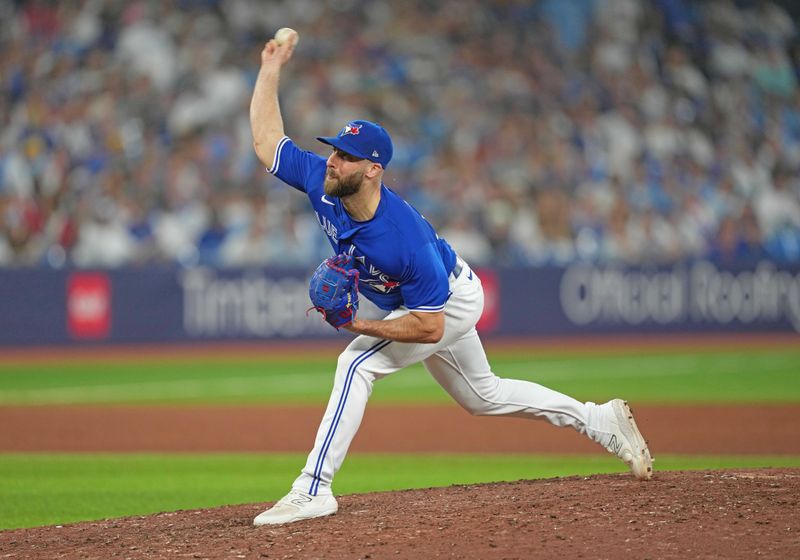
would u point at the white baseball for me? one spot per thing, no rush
(287, 35)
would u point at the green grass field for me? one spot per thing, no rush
(42, 489)
(736, 375)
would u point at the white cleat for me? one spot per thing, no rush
(627, 442)
(296, 506)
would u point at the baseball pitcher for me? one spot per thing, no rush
(387, 252)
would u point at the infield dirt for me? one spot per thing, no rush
(707, 430)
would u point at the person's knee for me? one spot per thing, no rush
(344, 361)
(479, 407)
(346, 366)
(342, 366)
(483, 399)
(475, 407)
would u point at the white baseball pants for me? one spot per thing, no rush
(457, 362)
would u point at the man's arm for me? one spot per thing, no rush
(412, 327)
(265, 113)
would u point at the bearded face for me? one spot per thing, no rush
(340, 186)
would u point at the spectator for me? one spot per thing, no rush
(614, 131)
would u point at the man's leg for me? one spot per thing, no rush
(311, 495)
(355, 375)
(364, 361)
(463, 370)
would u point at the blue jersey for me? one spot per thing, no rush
(400, 259)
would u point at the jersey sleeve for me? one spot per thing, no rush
(294, 166)
(425, 287)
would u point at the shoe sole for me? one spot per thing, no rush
(292, 519)
(641, 463)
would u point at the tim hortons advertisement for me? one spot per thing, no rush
(162, 305)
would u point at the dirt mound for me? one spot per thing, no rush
(743, 513)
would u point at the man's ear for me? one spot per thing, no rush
(373, 170)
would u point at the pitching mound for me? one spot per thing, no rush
(706, 514)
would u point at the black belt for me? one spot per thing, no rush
(459, 266)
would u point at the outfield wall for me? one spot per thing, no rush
(147, 305)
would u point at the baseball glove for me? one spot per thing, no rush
(334, 290)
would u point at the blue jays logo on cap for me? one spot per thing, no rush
(351, 128)
(363, 139)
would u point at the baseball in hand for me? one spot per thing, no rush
(287, 36)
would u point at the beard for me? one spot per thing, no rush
(343, 186)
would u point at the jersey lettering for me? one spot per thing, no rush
(373, 276)
(381, 281)
(328, 227)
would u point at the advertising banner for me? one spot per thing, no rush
(155, 305)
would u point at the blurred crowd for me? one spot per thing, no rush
(529, 133)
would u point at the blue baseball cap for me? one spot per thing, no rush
(363, 139)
